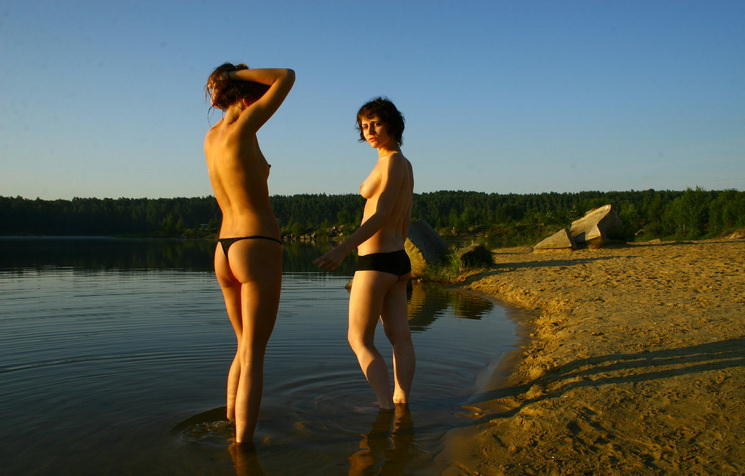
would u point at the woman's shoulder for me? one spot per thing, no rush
(226, 131)
(394, 158)
(212, 131)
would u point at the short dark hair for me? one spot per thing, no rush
(224, 92)
(387, 113)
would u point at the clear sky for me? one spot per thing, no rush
(105, 99)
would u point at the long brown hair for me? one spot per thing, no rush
(223, 92)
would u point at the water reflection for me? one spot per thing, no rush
(132, 353)
(422, 311)
(468, 307)
(388, 448)
(105, 253)
(298, 418)
(299, 258)
(426, 302)
(245, 461)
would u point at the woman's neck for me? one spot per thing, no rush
(233, 111)
(388, 151)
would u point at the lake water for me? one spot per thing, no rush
(114, 353)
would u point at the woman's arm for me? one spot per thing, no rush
(280, 82)
(391, 178)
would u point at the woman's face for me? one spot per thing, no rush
(375, 132)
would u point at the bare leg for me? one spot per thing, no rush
(396, 325)
(257, 266)
(365, 305)
(231, 290)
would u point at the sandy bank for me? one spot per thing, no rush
(635, 364)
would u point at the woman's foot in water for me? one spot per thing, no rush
(241, 445)
(399, 398)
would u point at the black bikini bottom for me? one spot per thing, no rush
(226, 242)
(396, 262)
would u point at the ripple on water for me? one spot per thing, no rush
(209, 427)
(129, 353)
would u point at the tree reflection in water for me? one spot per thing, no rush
(467, 306)
(107, 253)
(390, 446)
(427, 302)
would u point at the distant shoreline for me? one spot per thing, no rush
(496, 220)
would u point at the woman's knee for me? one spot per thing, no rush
(250, 355)
(404, 346)
(354, 341)
(358, 342)
(398, 335)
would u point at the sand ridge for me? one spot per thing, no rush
(634, 364)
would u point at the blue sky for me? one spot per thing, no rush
(104, 99)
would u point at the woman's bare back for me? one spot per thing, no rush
(238, 172)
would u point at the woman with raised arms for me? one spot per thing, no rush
(248, 256)
(383, 267)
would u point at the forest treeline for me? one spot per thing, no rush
(500, 219)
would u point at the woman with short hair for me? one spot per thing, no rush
(383, 267)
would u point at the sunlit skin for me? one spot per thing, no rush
(250, 277)
(377, 295)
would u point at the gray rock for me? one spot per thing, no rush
(558, 241)
(424, 247)
(597, 226)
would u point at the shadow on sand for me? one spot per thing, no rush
(501, 268)
(621, 368)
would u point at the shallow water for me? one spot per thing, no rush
(114, 353)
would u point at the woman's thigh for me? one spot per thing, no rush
(222, 269)
(257, 266)
(369, 289)
(231, 290)
(395, 314)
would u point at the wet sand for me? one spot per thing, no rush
(633, 363)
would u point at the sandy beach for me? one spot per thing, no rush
(633, 362)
